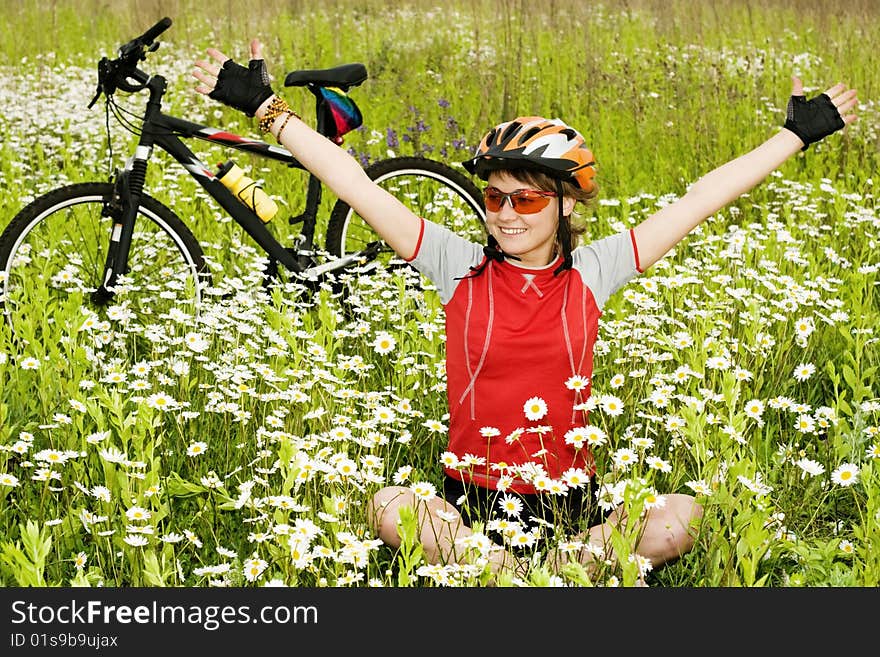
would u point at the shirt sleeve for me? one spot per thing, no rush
(606, 265)
(443, 257)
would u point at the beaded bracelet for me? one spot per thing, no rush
(284, 125)
(276, 108)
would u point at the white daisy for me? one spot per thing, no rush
(535, 408)
(846, 474)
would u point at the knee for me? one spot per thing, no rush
(683, 515)
(383, 512)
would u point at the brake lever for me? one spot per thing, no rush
(95, 99)
(102, 68)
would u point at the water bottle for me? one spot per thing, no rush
(247, 190)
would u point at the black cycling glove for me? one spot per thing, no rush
(812, 120)
(243, 88)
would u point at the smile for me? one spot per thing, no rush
(511, 231)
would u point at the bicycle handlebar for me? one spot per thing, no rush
(122, 72)
(147, 37)
(136, 49)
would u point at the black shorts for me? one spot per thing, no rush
(570, 514)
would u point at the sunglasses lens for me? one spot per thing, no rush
(493, 200)
(523, 202)
(529, 202)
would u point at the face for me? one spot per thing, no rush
(531, 237)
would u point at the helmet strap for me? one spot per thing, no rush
(492, 252)
(563, 233)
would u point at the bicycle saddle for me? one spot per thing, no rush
(343, 77)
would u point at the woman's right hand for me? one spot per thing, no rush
(242, 88)
(813, 120)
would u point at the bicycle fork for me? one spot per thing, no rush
(122, 209)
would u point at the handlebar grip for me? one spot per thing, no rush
(147, 37)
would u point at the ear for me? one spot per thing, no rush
(568, 204)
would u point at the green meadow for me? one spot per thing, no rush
(238, 446)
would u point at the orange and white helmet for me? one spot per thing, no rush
(533, 142)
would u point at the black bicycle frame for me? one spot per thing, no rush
(165, 132)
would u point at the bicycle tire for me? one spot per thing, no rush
(52, 255)
(432, 189)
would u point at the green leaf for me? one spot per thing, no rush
(154, 573)
(832, 372)
(179, 487)
(850, 377)
(25, 560)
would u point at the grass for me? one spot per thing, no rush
(240, 449)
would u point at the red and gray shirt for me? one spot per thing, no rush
(513, 333)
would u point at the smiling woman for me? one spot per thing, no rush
(531, 271)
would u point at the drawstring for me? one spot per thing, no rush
(568, 345)
(492, 252)
(473, 373)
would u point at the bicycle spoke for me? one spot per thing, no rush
(54, 254)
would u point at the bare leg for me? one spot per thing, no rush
(666, 534)
(437, 535)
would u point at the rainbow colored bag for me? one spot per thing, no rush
(340, 111)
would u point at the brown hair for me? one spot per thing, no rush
(542, 181)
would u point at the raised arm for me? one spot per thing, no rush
(806, 123)
(247, 89)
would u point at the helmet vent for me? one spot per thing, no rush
(510, 131)
(531, 132)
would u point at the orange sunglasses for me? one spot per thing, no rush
(523, 201)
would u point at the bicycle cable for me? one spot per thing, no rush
(118, 112)
(109, 139)
(121, 114)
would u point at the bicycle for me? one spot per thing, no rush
(114, 248)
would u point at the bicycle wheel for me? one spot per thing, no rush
(432, 189)
(52, 257)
